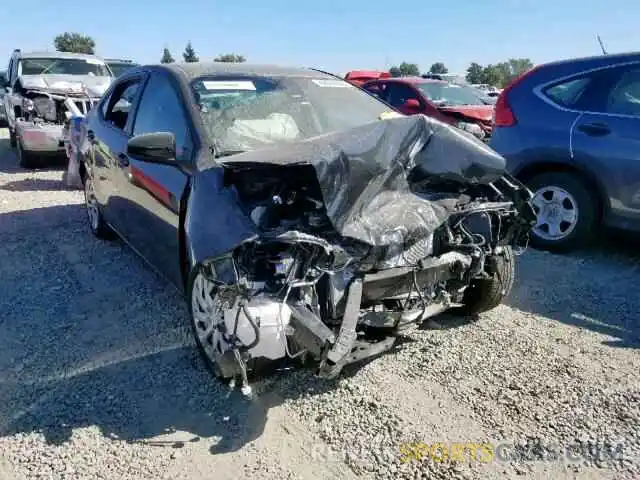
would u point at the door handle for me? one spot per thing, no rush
(595, 129)
(123, 160)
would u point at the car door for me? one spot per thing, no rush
(606, 138)
(399, 94)
(152, 192)
(108, 133)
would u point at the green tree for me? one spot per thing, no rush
(395, 72)
(405, 70)
(166, 56)
(230, 58)
(189, 54)
(492, 75)
(438, 67)
(502, 73)
(75, 43)
(474, 73)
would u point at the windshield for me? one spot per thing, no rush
(448, 94)
(118, 68)
(64, 66)
(246, 113)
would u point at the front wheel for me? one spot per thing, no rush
(487, 293)
(12, 138)
(25, 159)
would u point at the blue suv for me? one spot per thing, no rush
(570, 130)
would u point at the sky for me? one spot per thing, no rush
(334, 35)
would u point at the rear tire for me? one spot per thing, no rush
(564, 195)
(97, 224)
(486, 294)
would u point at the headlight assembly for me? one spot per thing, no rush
(472, 128)
(27, 105)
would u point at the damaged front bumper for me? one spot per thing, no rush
(40, 137)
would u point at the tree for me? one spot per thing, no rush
(438, 67)
(75, 43)
(405, 70)
(492, 75)
(519, 65)
(230, 58)
(166, 56)
(189, 54)
(474, 73)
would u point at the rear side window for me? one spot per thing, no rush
(568, 93)
(624, 98)
(376, 89)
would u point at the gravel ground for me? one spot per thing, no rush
(99, 377)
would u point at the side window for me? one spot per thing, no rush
(119, 104)
(8, 72)
(105, 105)
(624, 97)
(160, 110)
(398, 94)
(568, 93)
(374, 88)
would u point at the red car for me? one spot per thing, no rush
(358, 77)
(450, 103)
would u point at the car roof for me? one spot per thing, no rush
(198, 69)
(48, 54)
(610, 58)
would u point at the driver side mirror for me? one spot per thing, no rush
(4, 82)
(412, 105)
(158, 147)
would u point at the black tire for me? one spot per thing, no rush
(12, 138)
(587, 208)
(486, 294)
(25, 159)
(98, 226)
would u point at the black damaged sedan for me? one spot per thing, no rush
(301, 218)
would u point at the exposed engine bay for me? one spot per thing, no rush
(336, 285)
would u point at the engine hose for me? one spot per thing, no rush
(253, 324)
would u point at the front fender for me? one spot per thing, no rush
(214, 223)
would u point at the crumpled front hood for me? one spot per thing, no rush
(363, 174)
(483, 113)
(67, 84)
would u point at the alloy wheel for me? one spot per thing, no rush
(557, 213)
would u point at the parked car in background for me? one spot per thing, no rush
(42, 92)
(358, 77)
(487, 89)
(453, 104)
(3, 113)
(571, 130)
(249, 187)
(118, 66)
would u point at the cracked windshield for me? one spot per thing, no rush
(243, 114)
(320, 241)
